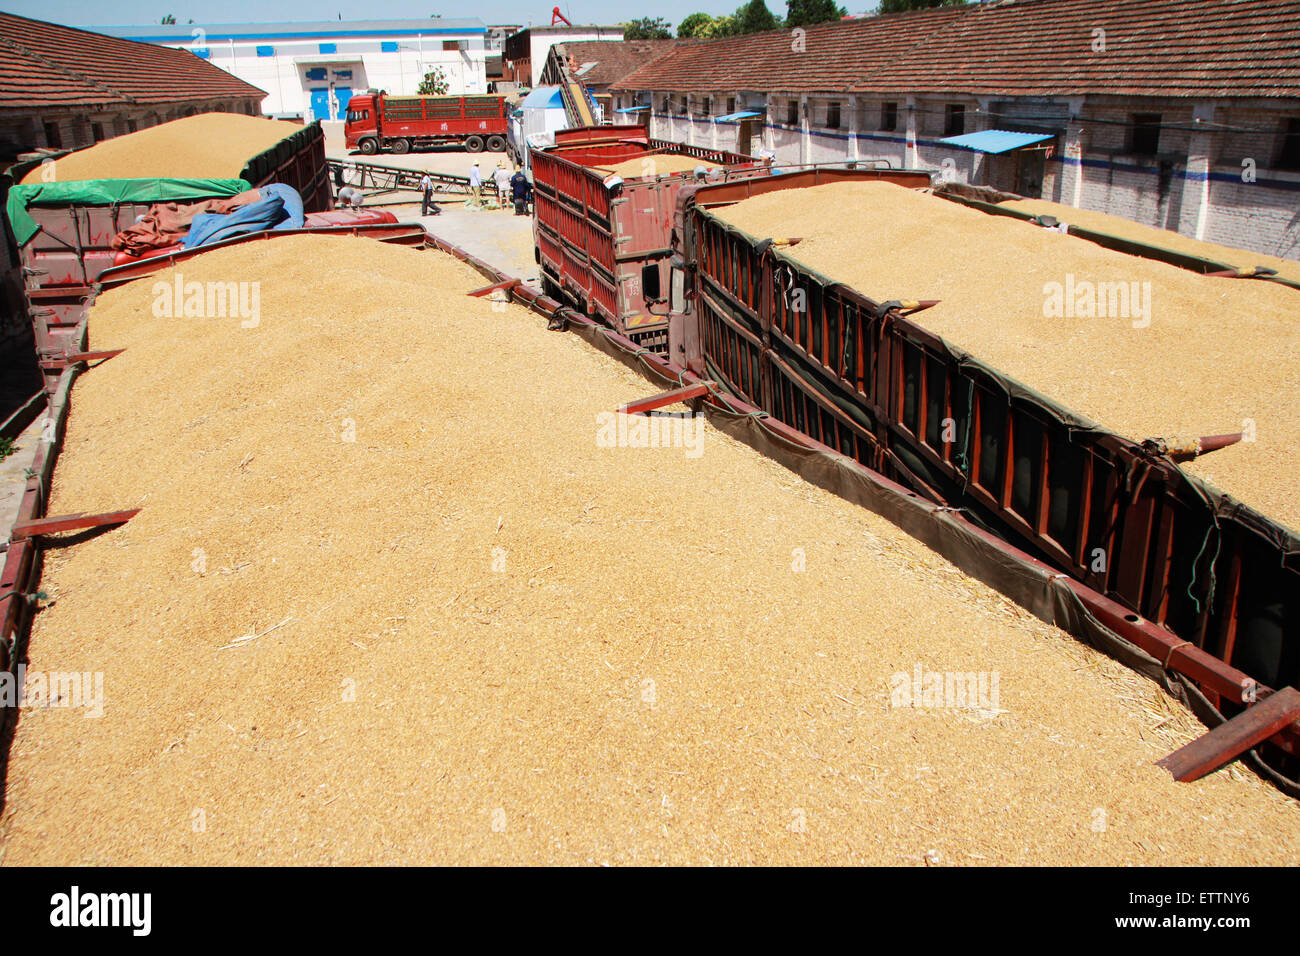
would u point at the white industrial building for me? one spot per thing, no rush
(311, 69)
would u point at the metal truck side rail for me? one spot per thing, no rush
(377, 179)
(1115, 516)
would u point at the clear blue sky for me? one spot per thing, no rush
(84, 13)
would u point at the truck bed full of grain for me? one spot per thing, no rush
(656, 164)
(390, 600)
(1215, 353)
(1164, 238)
(206, 146)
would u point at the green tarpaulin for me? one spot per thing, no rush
(107, 192)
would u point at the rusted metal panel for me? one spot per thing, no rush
(621, 231)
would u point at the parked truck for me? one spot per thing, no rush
(376, 121)
(602, 240)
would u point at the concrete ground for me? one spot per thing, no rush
(447, 160)
(451, 160)
(498, 237)
(13, 474)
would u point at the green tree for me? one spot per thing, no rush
(755, 17)
(648, 29)
(695, 26)
(434, 83)
(898, 6)
(803, 13)
(168, 20)
(702, 26)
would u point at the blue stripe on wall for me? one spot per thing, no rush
(1191, 175)
(217, 35)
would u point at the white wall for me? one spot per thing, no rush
(283, 74)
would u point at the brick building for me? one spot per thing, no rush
(525, 52)
(64, 88)
(602, 63)
(1181, 114)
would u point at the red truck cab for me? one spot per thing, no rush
(376, 121)
(361, 122)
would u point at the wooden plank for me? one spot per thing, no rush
(51, 525)
(507, 285)
(667, 398)
(1230, 739)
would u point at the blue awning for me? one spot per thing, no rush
(632, 109)
(732, 117)
(995, 140)
(543, 97)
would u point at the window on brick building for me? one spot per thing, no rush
(1289, 157)
(833, 115)
(792, 113)
(731, 105)
(1144, 134)
(954, 120)
(132, 126)
(97, 131)
(889, 116)
(53, 138)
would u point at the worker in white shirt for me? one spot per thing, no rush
(501, 177)
(426, 195)
(475, 186)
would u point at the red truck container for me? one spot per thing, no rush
(376, 121)
(71, 244)
(603, 242)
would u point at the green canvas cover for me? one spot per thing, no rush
(107, 192)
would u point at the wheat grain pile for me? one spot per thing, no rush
(1216, 352)
(206, 146)
(500, 642)
(1127, 229)
(656, 164)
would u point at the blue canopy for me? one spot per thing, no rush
(632, 109)
(995, 140)
(743, 114)
(543, 97)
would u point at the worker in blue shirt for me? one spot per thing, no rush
(521, 190)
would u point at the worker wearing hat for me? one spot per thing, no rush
(501, 179)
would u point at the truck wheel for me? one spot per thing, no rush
(401, 146)
(369, 146)
(496, 144)
(474, 144)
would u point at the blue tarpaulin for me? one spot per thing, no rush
(633, 109)
(733, 117)
(995, 140)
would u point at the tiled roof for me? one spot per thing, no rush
(614, 59)
(1011, 48)
(44, 65)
